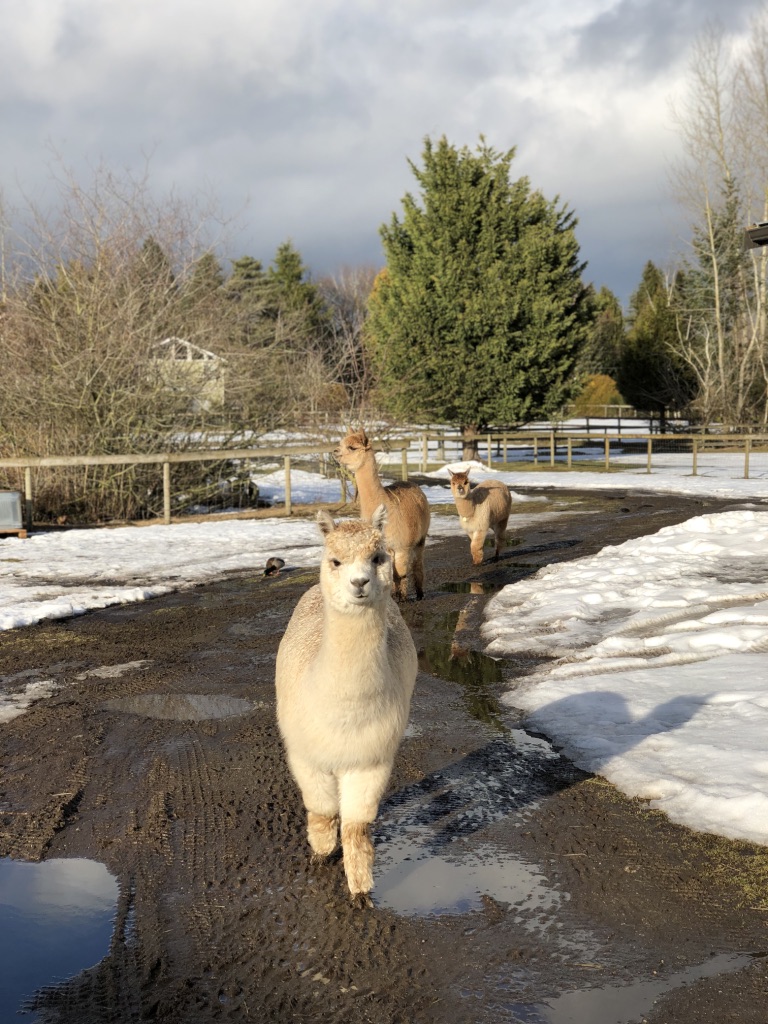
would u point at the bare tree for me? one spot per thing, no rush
(720, 292)
(346, 295)
(92, 288)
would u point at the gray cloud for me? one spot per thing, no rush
(305, 115)
(649, 36)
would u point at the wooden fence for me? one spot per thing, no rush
(428, 449)
(167, 459)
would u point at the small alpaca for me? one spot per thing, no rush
(407, 512)
(346, 669)
(481, 508)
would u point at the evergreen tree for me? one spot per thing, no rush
(201, 295)
(247, 281)
(247, 287)
(652, 375)
(155, 283)
(480, 313)
(292, 297)
(206, 277)
(605, 340)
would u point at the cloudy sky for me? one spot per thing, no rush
(301, 117)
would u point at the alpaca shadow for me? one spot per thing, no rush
(595, 727)
(519, 769)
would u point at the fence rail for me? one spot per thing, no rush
(685, 454)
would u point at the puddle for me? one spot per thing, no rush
(474, 671)
(468, 587)
(181, 707)
(413, 883)
(423, 865)
(613, 1004)
(57, 920)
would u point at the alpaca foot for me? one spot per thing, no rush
(323, 835)
(361, 901)
(358, 857)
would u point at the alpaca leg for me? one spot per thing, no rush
(320, 793)
(400, 576)
(476, 546)
(323, 834)
(361, 792)
(501, 536)
(358, 857)
(418, 568)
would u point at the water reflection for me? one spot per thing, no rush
(414, 881)
(613, 1004)
(57, 920)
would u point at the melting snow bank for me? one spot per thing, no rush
(658, 670)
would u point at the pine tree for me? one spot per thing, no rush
(247, 287)
(480, 313)
(652, 375)
(292, 297)
(605, 340)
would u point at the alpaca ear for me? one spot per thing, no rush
(364, 439)
(451, 474)
(379, 518)
(325, 522)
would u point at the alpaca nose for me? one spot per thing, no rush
(360, 582)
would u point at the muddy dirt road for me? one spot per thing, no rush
(510, 887)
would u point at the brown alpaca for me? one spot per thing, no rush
(407, 512)
(481, 508)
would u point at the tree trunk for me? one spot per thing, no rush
(469, 443)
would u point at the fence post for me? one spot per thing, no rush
(490, 453)
(535, 450)
(607, 441)
(28, 498)
(404, 456)
(343, 487)
(424, 452)
(505, 441)
(287, 485)
(747, 449)
(166, 493)
(650, 449)
(570, 450)
(551, 447)
(695, 456)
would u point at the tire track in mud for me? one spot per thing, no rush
(221, 915)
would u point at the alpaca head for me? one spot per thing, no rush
(356, 570)
(353, 450)
(460, 483)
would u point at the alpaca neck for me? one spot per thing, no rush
(464, 506)
(369, 487)
(354, 647)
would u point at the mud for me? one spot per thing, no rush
(510, 886)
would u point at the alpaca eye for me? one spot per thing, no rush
(335, 563)
(379, 558)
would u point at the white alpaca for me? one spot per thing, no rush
(481, 508)
(346, 669)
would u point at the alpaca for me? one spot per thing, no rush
(345, 672)
(407, 512)
(481, 508)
